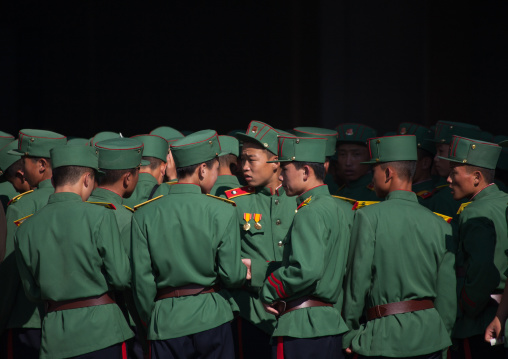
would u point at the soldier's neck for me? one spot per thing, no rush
(398, 184)
(117, 188)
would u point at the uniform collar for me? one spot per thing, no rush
(185, 188)
(64, 197)
(363, 181)
(45, 184)
(485, 192)
(400, 194)
(279, 191)
(147, 177)
(321, 189)
(108, 195)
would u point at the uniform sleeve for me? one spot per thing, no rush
(358, 276)
(478, 236)
(115, 260)
(143, 279)
(32, 289)
(305, 263)
(232, 271)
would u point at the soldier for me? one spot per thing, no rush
(265, 214)
(12, 180)
(171, 135)
(102, 136)
(73, 269)
(228, 166)
(5, 139)
(303, 291)
(351, 152)
(152, 174)
(185, 248)
(407, 294)
(482, 242)
(19, 315)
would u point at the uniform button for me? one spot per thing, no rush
(280, 243)
(277, 222)
(276, 201)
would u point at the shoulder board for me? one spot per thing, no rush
(16, 198)
(350, 200)
(240, 191)
(462, 207)
(21, 220)
(130, 209)
(136, 207)
(446, 218)
(425, 194)
(104, 204)
(370, 186)
(170, 183)
(438, 188)
(361, 204)
(222, 199)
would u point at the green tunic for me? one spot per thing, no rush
(264, 246)
(83, 257)
(424, 191)
(398, 253)
(163, 189)
(145, 186)
(16, 311)
(314, 263)
(481, 260)
(185, 238)
(359, 190)
(224, 183)
(7, 192)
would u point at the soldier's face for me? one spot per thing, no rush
(442, 166)
(348, 163)
(255, 169)
(462, 182)
(379, 180)
(292, 179)
(31, 170)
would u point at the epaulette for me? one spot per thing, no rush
(425, 194)
(446, 218)
(130, 209)
(438, 188)
(222, 199)
(104, 204)
(170, 183)
(304, 203)
(371, 186)
(361, 204)
(16, 198)
(350, 200)
(240, 191)
(21, 220)
(462, 206)
(136, 207)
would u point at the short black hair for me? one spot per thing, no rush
(229, 161)
(154, 162)
(404, 169)
(10, 172)
(35, 159)
(69, 174)
(182, 172)
(487, 174)
(318, 168)
(112, 176)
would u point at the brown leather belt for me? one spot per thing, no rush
(183, 291)
(406, 306)
(300, 303)
(53, 306)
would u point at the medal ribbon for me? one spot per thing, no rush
(257, 217)
(247, 217)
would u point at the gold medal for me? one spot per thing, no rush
(257, 218)
(246, 226)
(246, 217)
(258, 225)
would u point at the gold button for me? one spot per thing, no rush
(378, 141)
(464, 161)
(377, 159)
(473, 146)
(297, 140)
(32, 139)
(276, 201)
(293, 158)
(277, 222)
(280, 243)
(265, 144)
(210, 142)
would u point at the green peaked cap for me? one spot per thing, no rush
(330, 135)
(301, 149)
(422, 133)
(120, 154)
(262, 134)
(392, 148)
(169, 133)
(198, 147)
(6, 158)
(473, 152)
(102, 136)
(154, 146)
(78, 141)
(37, 143)
(445, 130)
(74, 155)
(355, 133)
(229, 146)
(5, 139)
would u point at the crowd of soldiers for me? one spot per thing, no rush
(264, 243)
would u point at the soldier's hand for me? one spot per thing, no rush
(494, 330)
(247, 263)
(171, 167)
(270, 309)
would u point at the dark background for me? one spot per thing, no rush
(90, 66)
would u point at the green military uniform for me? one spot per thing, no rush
(181, 239)
(482, 240)
(102, 136)
(169, 133)
(385, 268)
(83, 258)
(5, 139)
(7, 190)
(229, 146)
(16, 311)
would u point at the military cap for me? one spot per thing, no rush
(105, 135)
(229, 146)
(330, 135)
(502, 163)
(422, 134)
(392, 148)
(233, 133)
(37, 143)
(445, 130)
(120, 154)
(473, 152)
(78, 141)
(196, 148)
(169, 133)
(7, 159)
(301, 149)
(74, 155)
(262, 134)
(154, 146)
(5, 139)
(355, 133)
